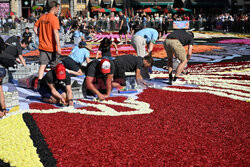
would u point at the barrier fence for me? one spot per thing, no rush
(237, 26)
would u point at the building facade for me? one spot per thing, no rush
(4, 8)
(82, 7)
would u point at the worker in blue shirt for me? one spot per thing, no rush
(146, 36)
(78, 55)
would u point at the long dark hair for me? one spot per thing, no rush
(106, 42)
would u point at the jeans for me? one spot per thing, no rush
(61, 29)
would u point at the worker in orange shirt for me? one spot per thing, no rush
(49, 42)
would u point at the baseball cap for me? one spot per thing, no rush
(60, 71)
(105, 66)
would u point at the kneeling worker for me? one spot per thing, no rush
(130, 63)
(53, 89)
(99, 76)
(12, 54)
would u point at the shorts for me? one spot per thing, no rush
(45, 92)
(70, 64)
(174, 46)
(139, 44)
(7, 62)
(123, 31)
(51, 58)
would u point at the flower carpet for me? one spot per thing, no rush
(237, 41)
(158, 51)
(202, 122)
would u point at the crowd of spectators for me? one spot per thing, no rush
(224, 22)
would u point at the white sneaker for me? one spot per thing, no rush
(178, 82)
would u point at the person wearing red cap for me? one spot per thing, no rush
(56, 86)
(99, 75)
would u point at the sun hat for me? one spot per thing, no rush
(60, 71)
(105, 66)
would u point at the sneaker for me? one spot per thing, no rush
(178, 82)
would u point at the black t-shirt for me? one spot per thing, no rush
(93, 69)
(105, 50)
(13, 48)
(137, 27)
(129, 63)
(51, 78)
(184, 37)
(124, 21)
(27, 36)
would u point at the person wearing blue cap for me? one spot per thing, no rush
(146, 36)
(78, 55)
(3, 110)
